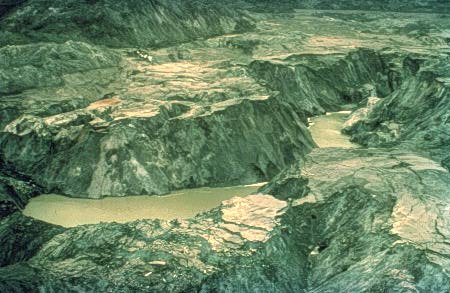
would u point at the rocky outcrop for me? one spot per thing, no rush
(48, 79)
(14, 195)
(416, 114)
(121, 145)
(36, 66)
(378, 219)
(151, 255)
(129, 156)
(20, 237)
(120, 24)
(91, 121)
(387, 5)
(157, 23)
(317, 84)
(380, 5)
(15, 190)
(360, 114)
(357, 220)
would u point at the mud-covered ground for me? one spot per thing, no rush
(107, 103)
(85, 120)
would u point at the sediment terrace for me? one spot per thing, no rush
(181, 204)
(222, 107)
(121, 145)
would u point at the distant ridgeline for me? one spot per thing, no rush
(442, 6)
(158, 23)
(149, 23)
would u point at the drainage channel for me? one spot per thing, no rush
(326, 130)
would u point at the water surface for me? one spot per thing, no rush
(70, 212)
(326, 130)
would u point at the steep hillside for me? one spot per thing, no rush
(146, 97)
(416, 115)
(364, 220)
(149, 23)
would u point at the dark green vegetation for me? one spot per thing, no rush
(115, 98)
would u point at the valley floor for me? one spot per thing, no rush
(226, 103)
(182, 204)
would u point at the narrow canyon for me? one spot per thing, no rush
(225, 146)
